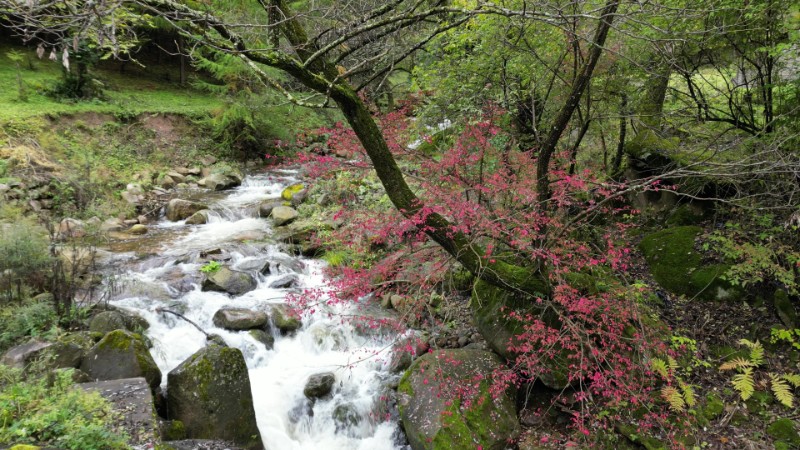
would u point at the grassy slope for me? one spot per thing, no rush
(134, 93)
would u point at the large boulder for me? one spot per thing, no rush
(71, 228)
(210, 393)
(21, 355)
(679, 268)
(229, 281)
(68, 351)
(222, 181)
(121, 354)
(282, 215)
(265, 209)
(107, 321)
(319, 385)
(435, 417)
(178, 209)
(240, 319)
(113, 224)
(131, 399)
(492, 310)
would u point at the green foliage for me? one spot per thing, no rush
(745, 381)
(210, 267)
(789, 336)
(759, 257)
(33, 411)
(31, 319)
(25, 258)
(77, 82)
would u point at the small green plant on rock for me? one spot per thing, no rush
(745, 381)
(210, 267)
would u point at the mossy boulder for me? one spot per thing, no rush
(117, 319)
(319, 385)
(263, 337)
(490, 310)
(239, 319)
(434, 420)
(290, 191)
(210, 393)
(284, 320)
(121, 354)
(178, 209)
(229, 281)
(678, 267)
(107, 321)
(784, 308)
(68, 351)
(784, 430)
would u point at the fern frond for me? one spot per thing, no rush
(757, 354)
(781, 390)
(688, 395)
(672, 396)
(792, 378)
(744, 383)
(660, 367)
(673, 365)
(736, 363)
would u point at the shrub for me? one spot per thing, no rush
(31, 319)
(57, 414)
(25, 259)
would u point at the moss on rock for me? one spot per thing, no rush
(677, 267)
(121, 354)
(436, 421)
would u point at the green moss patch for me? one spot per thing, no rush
(677, 267)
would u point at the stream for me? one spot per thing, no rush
(162, 270)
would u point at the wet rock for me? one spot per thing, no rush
(284, 320)
(216, 339)
(229, 281)
(283, 215)
(172, 430)
(198, 218)
(221, 181)
(345, 416)
(263, 337)
(121, 354)
(302, 410)
(210, 393)
(282, 263)
(319, 385)
(238, 319)
(285, 282)
(138, 229)
(21, 355)
(131, 399)
(178, 209)
(112, 224)
(428, 416)
(265, 209)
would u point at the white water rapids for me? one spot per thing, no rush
(167, 275)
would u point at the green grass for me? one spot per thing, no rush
(135, 92)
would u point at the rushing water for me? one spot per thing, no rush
(165, 272)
